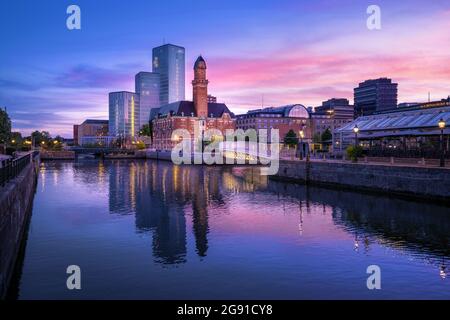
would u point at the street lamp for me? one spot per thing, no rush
(302, 135)
(356, 130)
(441, 125)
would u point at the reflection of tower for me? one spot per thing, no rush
(200, 217)
(200, 88)
(158, 211)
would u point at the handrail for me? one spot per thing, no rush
(11, 168)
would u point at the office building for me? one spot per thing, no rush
(147, 85)
(372, 96)
(332, 114)
(169, 62)
(90, 131)
(75, 134)
(124, 113)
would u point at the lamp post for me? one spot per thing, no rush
(302, 135)
(356, 130)
(441, 125)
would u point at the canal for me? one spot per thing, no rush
(152, 230)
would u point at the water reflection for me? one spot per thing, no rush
(163, 196)
(172, 227)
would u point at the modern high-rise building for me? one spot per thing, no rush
(124, 114)
(147, 86)
(169, 62)
(376, 95)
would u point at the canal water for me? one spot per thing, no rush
(152, 230)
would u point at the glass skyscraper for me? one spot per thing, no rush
(124, 114)
(169, 62)
(148, 89)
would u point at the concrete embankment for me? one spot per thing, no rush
(421, 182)
(16, 199)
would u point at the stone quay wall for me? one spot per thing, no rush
(422, 182)
(16, 199)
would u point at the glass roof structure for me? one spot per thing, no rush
(401, 122)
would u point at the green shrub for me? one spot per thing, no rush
(354, 152)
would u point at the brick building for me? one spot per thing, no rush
(292, 117)
(190, 114)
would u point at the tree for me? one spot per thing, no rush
(5, 126)
(291, 138)
(42, 138)
(146, 130)
(326, 135)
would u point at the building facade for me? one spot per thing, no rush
(124, 119)
(376, 95)
(292, 117)
(75, 134)
(190, 115)
(147, 87)
(331, 115)
(169, 62)
(90, 130)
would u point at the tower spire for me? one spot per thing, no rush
(200, 88)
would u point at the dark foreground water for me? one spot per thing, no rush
(145, 229)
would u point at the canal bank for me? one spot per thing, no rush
(418, 182)
(16, 198)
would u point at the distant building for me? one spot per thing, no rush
(189, 115)
(292, 117)
(373, 96)
(91, 129)
(332, 115)
(147, 85)
(169, 62)
(75, 134)
(407, 105)
(212, 99)
(124, 121)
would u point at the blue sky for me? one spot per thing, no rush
(289, 51)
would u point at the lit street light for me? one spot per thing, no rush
(356, 130)
(441, 124)
(302, 135)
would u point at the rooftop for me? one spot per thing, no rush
(186, 108)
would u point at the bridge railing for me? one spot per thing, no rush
(11, 168)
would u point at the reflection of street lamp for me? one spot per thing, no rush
(441, 124)
(356, 130)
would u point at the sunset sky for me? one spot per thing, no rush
(289, 51)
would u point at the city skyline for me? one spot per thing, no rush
(65, 76)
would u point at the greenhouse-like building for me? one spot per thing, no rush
(408, 132)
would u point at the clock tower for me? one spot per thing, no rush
(200, 88)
